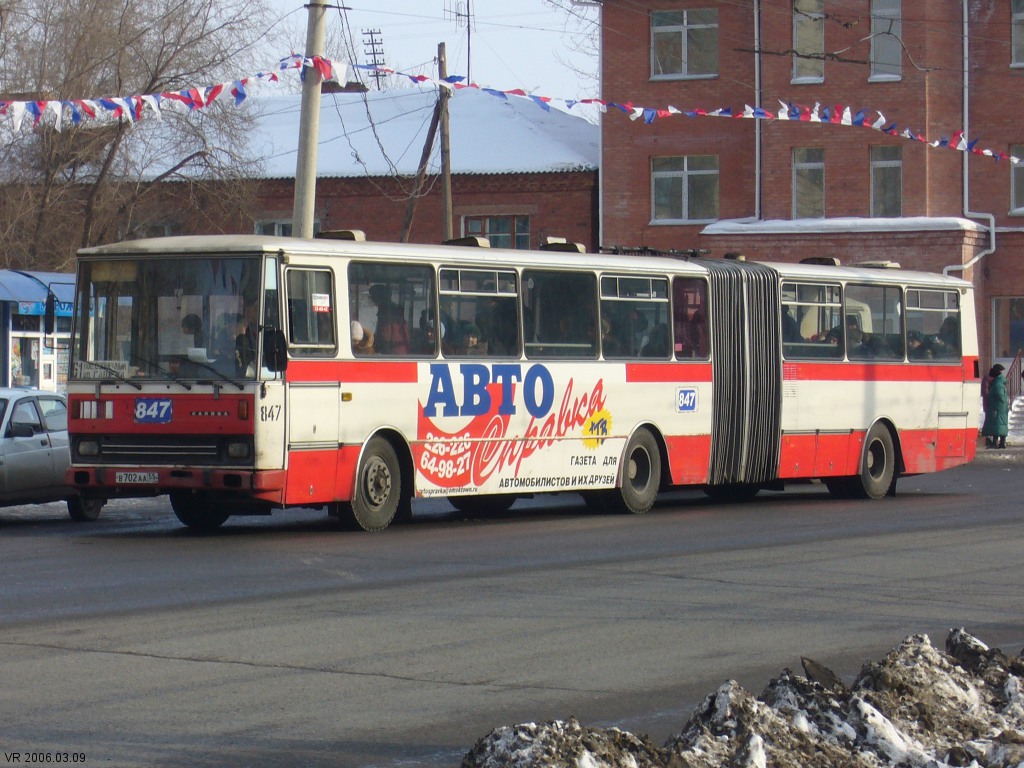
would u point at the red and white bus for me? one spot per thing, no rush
(238, 375)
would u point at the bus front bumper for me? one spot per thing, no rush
(264, 484)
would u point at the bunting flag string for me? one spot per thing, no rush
(56, 113)
(131, 109)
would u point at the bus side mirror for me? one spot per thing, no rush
(50, 315)
(275, 350)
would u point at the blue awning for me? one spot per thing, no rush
(29, 290)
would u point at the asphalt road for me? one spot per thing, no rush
(284, 641)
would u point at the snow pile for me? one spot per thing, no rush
(917, 708)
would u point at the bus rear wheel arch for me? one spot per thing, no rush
(879, 468)
(640, 475)
(380, 490)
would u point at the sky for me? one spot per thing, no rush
(527, 44)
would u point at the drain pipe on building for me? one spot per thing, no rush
(968, 213)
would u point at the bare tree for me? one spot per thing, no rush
(93, 181)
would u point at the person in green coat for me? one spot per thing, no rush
(997, 409)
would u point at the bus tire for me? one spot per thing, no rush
(197, 510)
(484, 504)
(641, 474)
(878, 464)
(85, 509)
(378, 490)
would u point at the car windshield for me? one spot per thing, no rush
(174, 317)
(3, 408)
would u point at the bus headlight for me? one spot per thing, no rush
(238, 450)
(88, 448)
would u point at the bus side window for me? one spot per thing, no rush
(389, 301)
(311, 315)
(563, 310)
(689, 314)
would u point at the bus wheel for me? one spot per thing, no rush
(378, 486)
(641, 475)
(197, 511)
(732, 492)
(878, 466)
(482, 505)
(84, 509)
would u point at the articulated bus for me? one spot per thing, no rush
(241, 375)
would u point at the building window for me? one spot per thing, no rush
(1017, 180)
(886, 182)
(685, 189)
(279, 227)
(808, 183)
(684, 43)
(886, 40)
(501, 231)
(1007, 326)
(808, 41)
(1018, 34)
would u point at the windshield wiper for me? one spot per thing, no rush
(116, 374)
(217, 373)
(162, 370)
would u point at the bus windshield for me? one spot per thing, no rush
(178, 318)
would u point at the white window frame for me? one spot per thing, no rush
(1017, 181)
(1017, 34)
(808, 17)
(879, 165)
(801, 170)
(683, 30)
(886, 37)
(686, 175)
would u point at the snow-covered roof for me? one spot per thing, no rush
(381, 133)
(839, 225)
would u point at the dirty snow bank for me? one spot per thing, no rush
(917, 708)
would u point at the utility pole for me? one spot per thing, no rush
(309, 126)
(373, 50)
(446, 162)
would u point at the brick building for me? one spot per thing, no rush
(784, 190)
(519, 173)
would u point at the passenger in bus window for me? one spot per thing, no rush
(497, 321)
(948, 341)
(362, 339)
(391, 336)
(790, 329)
(245, 342)
(428, 341)
(658, 342)
(471, 342)
(192, 327)
(610, 344)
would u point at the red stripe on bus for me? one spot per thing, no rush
(668, 372)
(360, 371)
(842, 371)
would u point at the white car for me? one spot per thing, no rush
(35, 454)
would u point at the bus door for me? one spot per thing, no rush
(314, 391)
(746, 371)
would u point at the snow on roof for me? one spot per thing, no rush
(839, 224)
(382, 133)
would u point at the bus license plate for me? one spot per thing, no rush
(135, 478)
